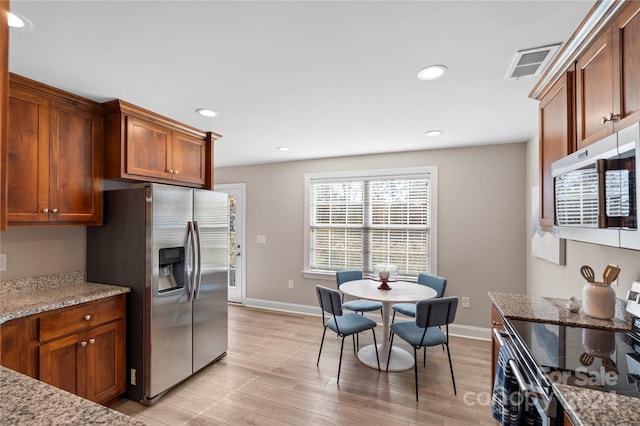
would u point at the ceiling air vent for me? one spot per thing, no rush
(531, 61)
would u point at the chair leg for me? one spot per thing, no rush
(353, 336)
(321, 343)
(453, 380)
(393, 318)
(375, 345)
(390, 347)
(415, 369)
(340, 363)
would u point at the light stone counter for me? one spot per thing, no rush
(587, 407)
(29, 296)
(553, 310)
(27, 401)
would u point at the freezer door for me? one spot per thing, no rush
(171, 311)
(211, 216)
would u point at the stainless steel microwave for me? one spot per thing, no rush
(596, 191)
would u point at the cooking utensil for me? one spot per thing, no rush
(586, 359)
(610, 274)
(587, 273)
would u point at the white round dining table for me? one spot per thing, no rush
(401, 292)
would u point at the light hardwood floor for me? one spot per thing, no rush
(269, 377)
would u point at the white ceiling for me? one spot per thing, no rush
(324, 78)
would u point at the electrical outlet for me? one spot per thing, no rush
(261, 239)
(466, 302)
(290, 283)
(3, 262)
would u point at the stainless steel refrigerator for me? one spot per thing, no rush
(170, 245)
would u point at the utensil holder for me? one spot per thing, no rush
(599, 300)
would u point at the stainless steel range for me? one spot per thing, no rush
(605, 360)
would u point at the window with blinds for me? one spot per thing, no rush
(356, 222)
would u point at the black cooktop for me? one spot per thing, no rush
(605, 360)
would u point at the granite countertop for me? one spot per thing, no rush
(29, 296)
(27, 401)
(585, 407)
(553, 310)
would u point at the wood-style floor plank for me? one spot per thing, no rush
(269, 377)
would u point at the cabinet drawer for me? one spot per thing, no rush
(74, 319)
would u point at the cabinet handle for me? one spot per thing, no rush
(170, 171)
(92, 341)
(54, 211)
(175, 172)
(45, 210)
(87, 317)
(83, 344)
(611, 117)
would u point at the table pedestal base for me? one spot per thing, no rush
(401, 360)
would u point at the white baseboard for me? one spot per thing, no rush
(467, 331)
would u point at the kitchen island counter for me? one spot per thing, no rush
(29, 296)
(553, 311)
(27, 401)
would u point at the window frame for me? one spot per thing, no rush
(432, 171)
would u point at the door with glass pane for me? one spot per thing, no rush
(237, 263)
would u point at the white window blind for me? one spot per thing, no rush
(356, 222)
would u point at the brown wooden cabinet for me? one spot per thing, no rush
(143, 146)
(556, 140)
(54, 156)
(607, 82)
(4, 96)
(80, 349)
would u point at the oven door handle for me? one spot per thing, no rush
(525, 388)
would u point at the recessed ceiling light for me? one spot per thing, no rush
(18, 21)
(434, 132)
(282, 148)
(432, 72)
(206, 112)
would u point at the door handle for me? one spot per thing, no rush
(199, 275)
(192, 278)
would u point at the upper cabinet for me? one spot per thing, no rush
(4, 93)
(54, 150)
(607, 90)
(143, 146)
(556, 140)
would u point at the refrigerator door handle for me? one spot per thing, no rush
(198, 276)
(192, 278)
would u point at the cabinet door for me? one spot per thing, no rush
(594, 91)
(626, 40)
(28, 157)
(76, 165)
(63, 364)
(4, 94)
(189, 154)
(148, 148)
(105, 362)
(556, 140)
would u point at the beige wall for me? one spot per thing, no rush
(547, 279)
(481, 220)
(40, 251)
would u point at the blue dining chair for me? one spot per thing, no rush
(439, 284)
(425, 331)
(342, 324)
(359, 305)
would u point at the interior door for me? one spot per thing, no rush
(237, 258)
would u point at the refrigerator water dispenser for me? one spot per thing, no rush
(171, 265)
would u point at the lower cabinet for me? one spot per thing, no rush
(88, 364)
(80, 349)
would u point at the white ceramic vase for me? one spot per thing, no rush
(599, 300)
